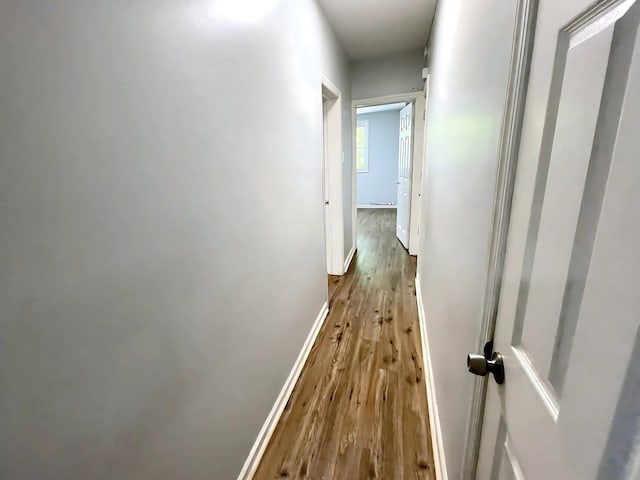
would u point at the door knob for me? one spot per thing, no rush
(487, 363)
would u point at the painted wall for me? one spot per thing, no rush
(387, 75)
(471, 51)
(160, 180)
(378, 185)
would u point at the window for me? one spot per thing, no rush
(362, 146)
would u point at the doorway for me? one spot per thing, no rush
(332, 196)
(388, 134)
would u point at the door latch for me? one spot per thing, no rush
(490, 362)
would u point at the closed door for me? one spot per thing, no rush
(569, 312)
(404, 175)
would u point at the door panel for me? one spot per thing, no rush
(550, 253)
(505, 462)
(568, 318)
(404, 175)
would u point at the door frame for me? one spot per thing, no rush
(417, 167)
(505, 178)
(332, 161)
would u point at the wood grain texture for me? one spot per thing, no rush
(359, 409)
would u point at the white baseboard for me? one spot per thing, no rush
(434, 418)
(347, 261)
(370, 205)
(255, 455)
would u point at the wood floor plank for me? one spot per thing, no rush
(359, 409)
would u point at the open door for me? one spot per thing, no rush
(332, 177)
(568, 323)
(404, 175)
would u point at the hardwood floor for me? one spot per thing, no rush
(359, 409)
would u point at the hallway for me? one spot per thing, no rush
(359, 409)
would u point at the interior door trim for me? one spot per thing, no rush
(509, 145)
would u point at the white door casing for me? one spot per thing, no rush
(418, 99)
(404, 175)
(568, 322)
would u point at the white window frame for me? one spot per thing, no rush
(365, 124)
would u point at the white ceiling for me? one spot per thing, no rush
(380, 108)
(368, 28)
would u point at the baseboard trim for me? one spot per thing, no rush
(257, 451)
(434, 418)
(347, 261)
(369, 205)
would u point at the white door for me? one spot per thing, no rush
(404, 175)
(328, 234)
(569, 312)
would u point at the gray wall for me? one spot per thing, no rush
(379, 184)
(387, 75)
(160, 180)
(465, 112)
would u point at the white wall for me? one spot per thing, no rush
(387, 75)
(160, 186)
(471, 51)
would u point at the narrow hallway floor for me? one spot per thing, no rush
(359, 409)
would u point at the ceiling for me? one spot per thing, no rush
(380, 108)
(369, 28)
